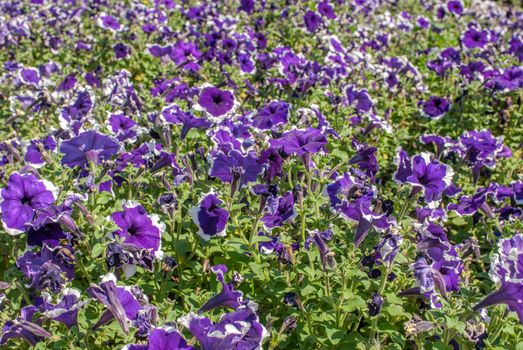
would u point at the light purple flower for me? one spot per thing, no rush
(66, 310)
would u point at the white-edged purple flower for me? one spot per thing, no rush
(388, 247)
(210, 217)
(35, 149)
(21, 199)
(435, 107)
(109, 22)
(320, 238)
(88, 146)
(122, 126)
(66, 310)
(138, 228)
(239, 329)
(474, 38)
(216, 102)
(173, 114)
(228, 296)
(507, 269)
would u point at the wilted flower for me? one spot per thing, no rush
(24, 327)
(228, 296)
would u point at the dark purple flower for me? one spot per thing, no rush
(228, 296)
(239, 329)
(375, 304)
(435, 107)
(275, 113)
(88, 146)
(279, 210)
(365, 158)
(473, 38)
(49, 269)
(66, 310)
(121, 50)
(312, 21)
(21, 199)
(74, 113)
(388, 247)
(273, 162)
(210, 218)
(326, 10)
(24, 327)
(186, 55)
(123, 127)
(33, 154)
(138, 228)
(216, 102)
(455, 7)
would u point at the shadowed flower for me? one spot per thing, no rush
(174, 115)
(326, 255)
(279, 210)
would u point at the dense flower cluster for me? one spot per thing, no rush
(348, 170)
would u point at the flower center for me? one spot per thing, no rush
(132, 230)
(26, 200)
(217, 99)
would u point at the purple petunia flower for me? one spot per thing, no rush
(216, 102)
(455, 7)
(21, 199)
(273, 162)
(228, 296)
(424, 174)
(174, 114)
(473, 38)
(123, 127)
(365, 158)
(239, 329)
(326, 255)
(66, 310)
(34, 155)
(48, 269)
(186, 55)
(302, 143)
(359, 99)
(24, 327)
(120, 302)
(109, 22)
(275, 113)
(235, 168)
(138, 228)
(279, 210)
(89, 146)
(506, 269)
(435, 107)
(210, 218)
(388, 247)
(165, 338)
(312, 21)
